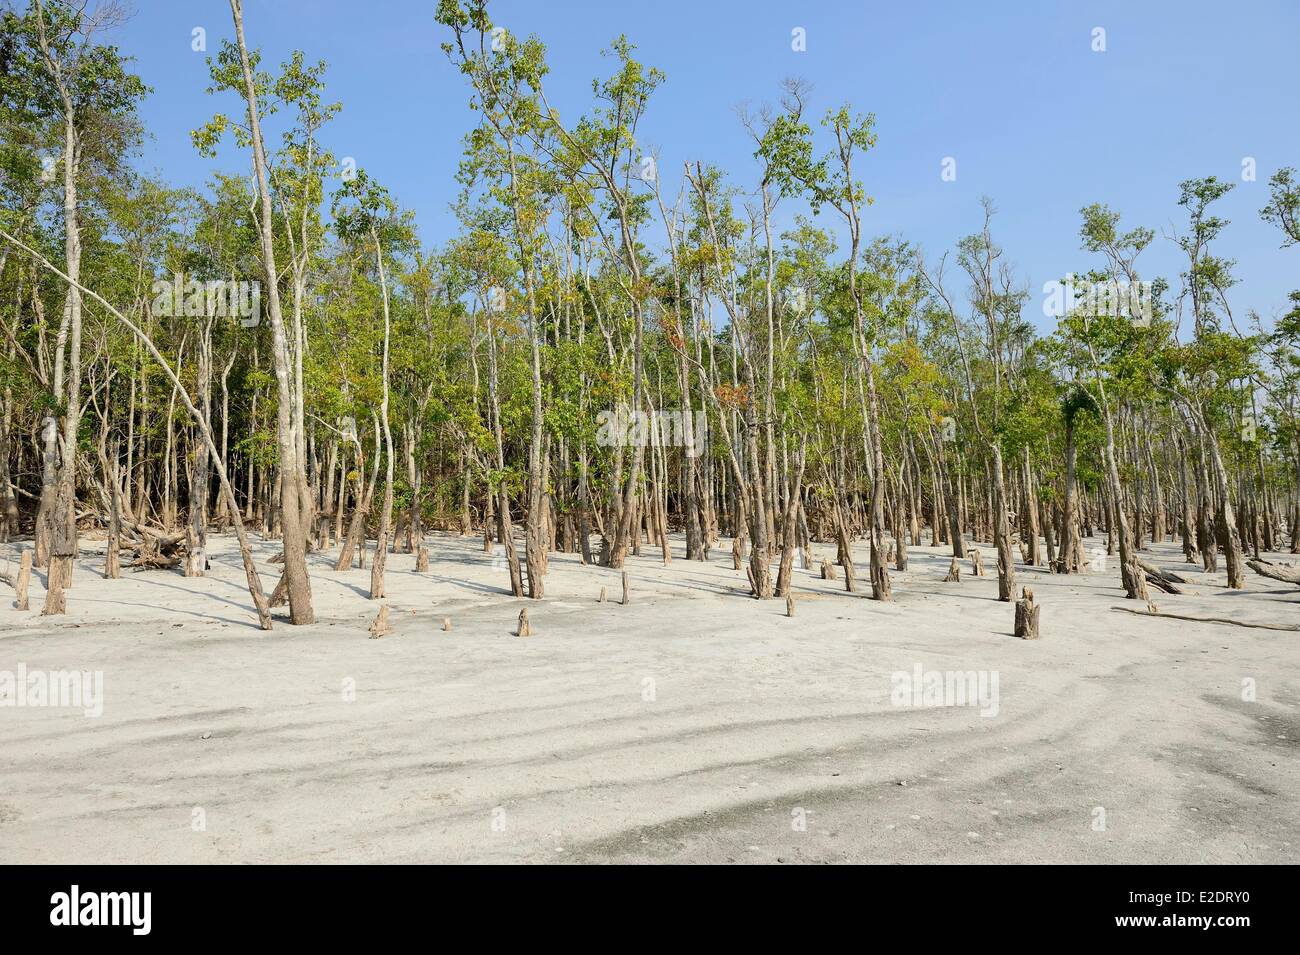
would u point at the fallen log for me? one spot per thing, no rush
(1289, 575)
(1163, 580)
(1155, 571)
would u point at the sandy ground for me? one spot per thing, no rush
(694, 725)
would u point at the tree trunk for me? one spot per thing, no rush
(293, 479)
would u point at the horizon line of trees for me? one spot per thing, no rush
(853, 387)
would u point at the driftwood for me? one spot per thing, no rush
(150, 543)
(154, 562)
(167, 543)
(154, 549)
(1288, 575)
(1235, 623)
(1154, 571)
(1163, 579)
(152, 553)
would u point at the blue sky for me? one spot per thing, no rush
(1013, 91)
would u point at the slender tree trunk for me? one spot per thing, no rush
(293, 483)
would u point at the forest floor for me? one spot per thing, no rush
(693, 725)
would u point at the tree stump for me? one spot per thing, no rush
(525, 629)
(626, 598)
(976, 562)
(789, 605)
(954, 573)
(112, 558)
(1027, 616)
(603, 596)
(828, 569)
(24, 578)
(380, 626)
(735, 553)
(422, 560)
(446, 623)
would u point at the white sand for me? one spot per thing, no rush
(696, 724)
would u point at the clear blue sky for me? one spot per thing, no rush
(1012, 91)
